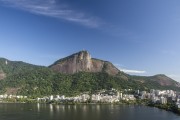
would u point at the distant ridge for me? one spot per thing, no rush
(164, 80)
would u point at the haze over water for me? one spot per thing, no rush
(82, 112)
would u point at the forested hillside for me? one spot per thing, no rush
(26, 79)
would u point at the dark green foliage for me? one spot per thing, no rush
(61, 84)
(40, 81)
(15, 67)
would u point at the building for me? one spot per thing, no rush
(178, 106)
(143, 93)
(157, 92)
(152, 91)
(163, 100)
(51, 97)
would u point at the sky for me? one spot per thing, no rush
(140, 37)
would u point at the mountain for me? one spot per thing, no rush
(159, 81)
(8, 67)
(15, 75)
(163, 80)
(82, 61)
(73, 75)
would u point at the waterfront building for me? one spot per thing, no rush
(163, 100)
(143, 93)
(51, 97)
(178, 106)
(157, 92)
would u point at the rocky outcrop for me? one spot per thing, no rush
(2, 75)
(82, 61)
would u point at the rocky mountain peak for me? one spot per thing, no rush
(84, 55)
(82, 61)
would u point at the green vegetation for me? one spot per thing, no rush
(31, 80)
(43, 81)
(153, 82)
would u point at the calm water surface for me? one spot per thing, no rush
(82, 112)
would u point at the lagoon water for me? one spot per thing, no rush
(82, 112)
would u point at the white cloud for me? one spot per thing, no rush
(133, 71)
(129, 71)
(52, 9)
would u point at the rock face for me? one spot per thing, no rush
(2, 75)
(82, 61)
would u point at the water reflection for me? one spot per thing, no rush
(97, 107)
(57, 108)
(84, 108)
(75, 107)
(38, 107)
(82, 112)
(51, 109)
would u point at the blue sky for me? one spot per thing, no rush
(140, 37)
